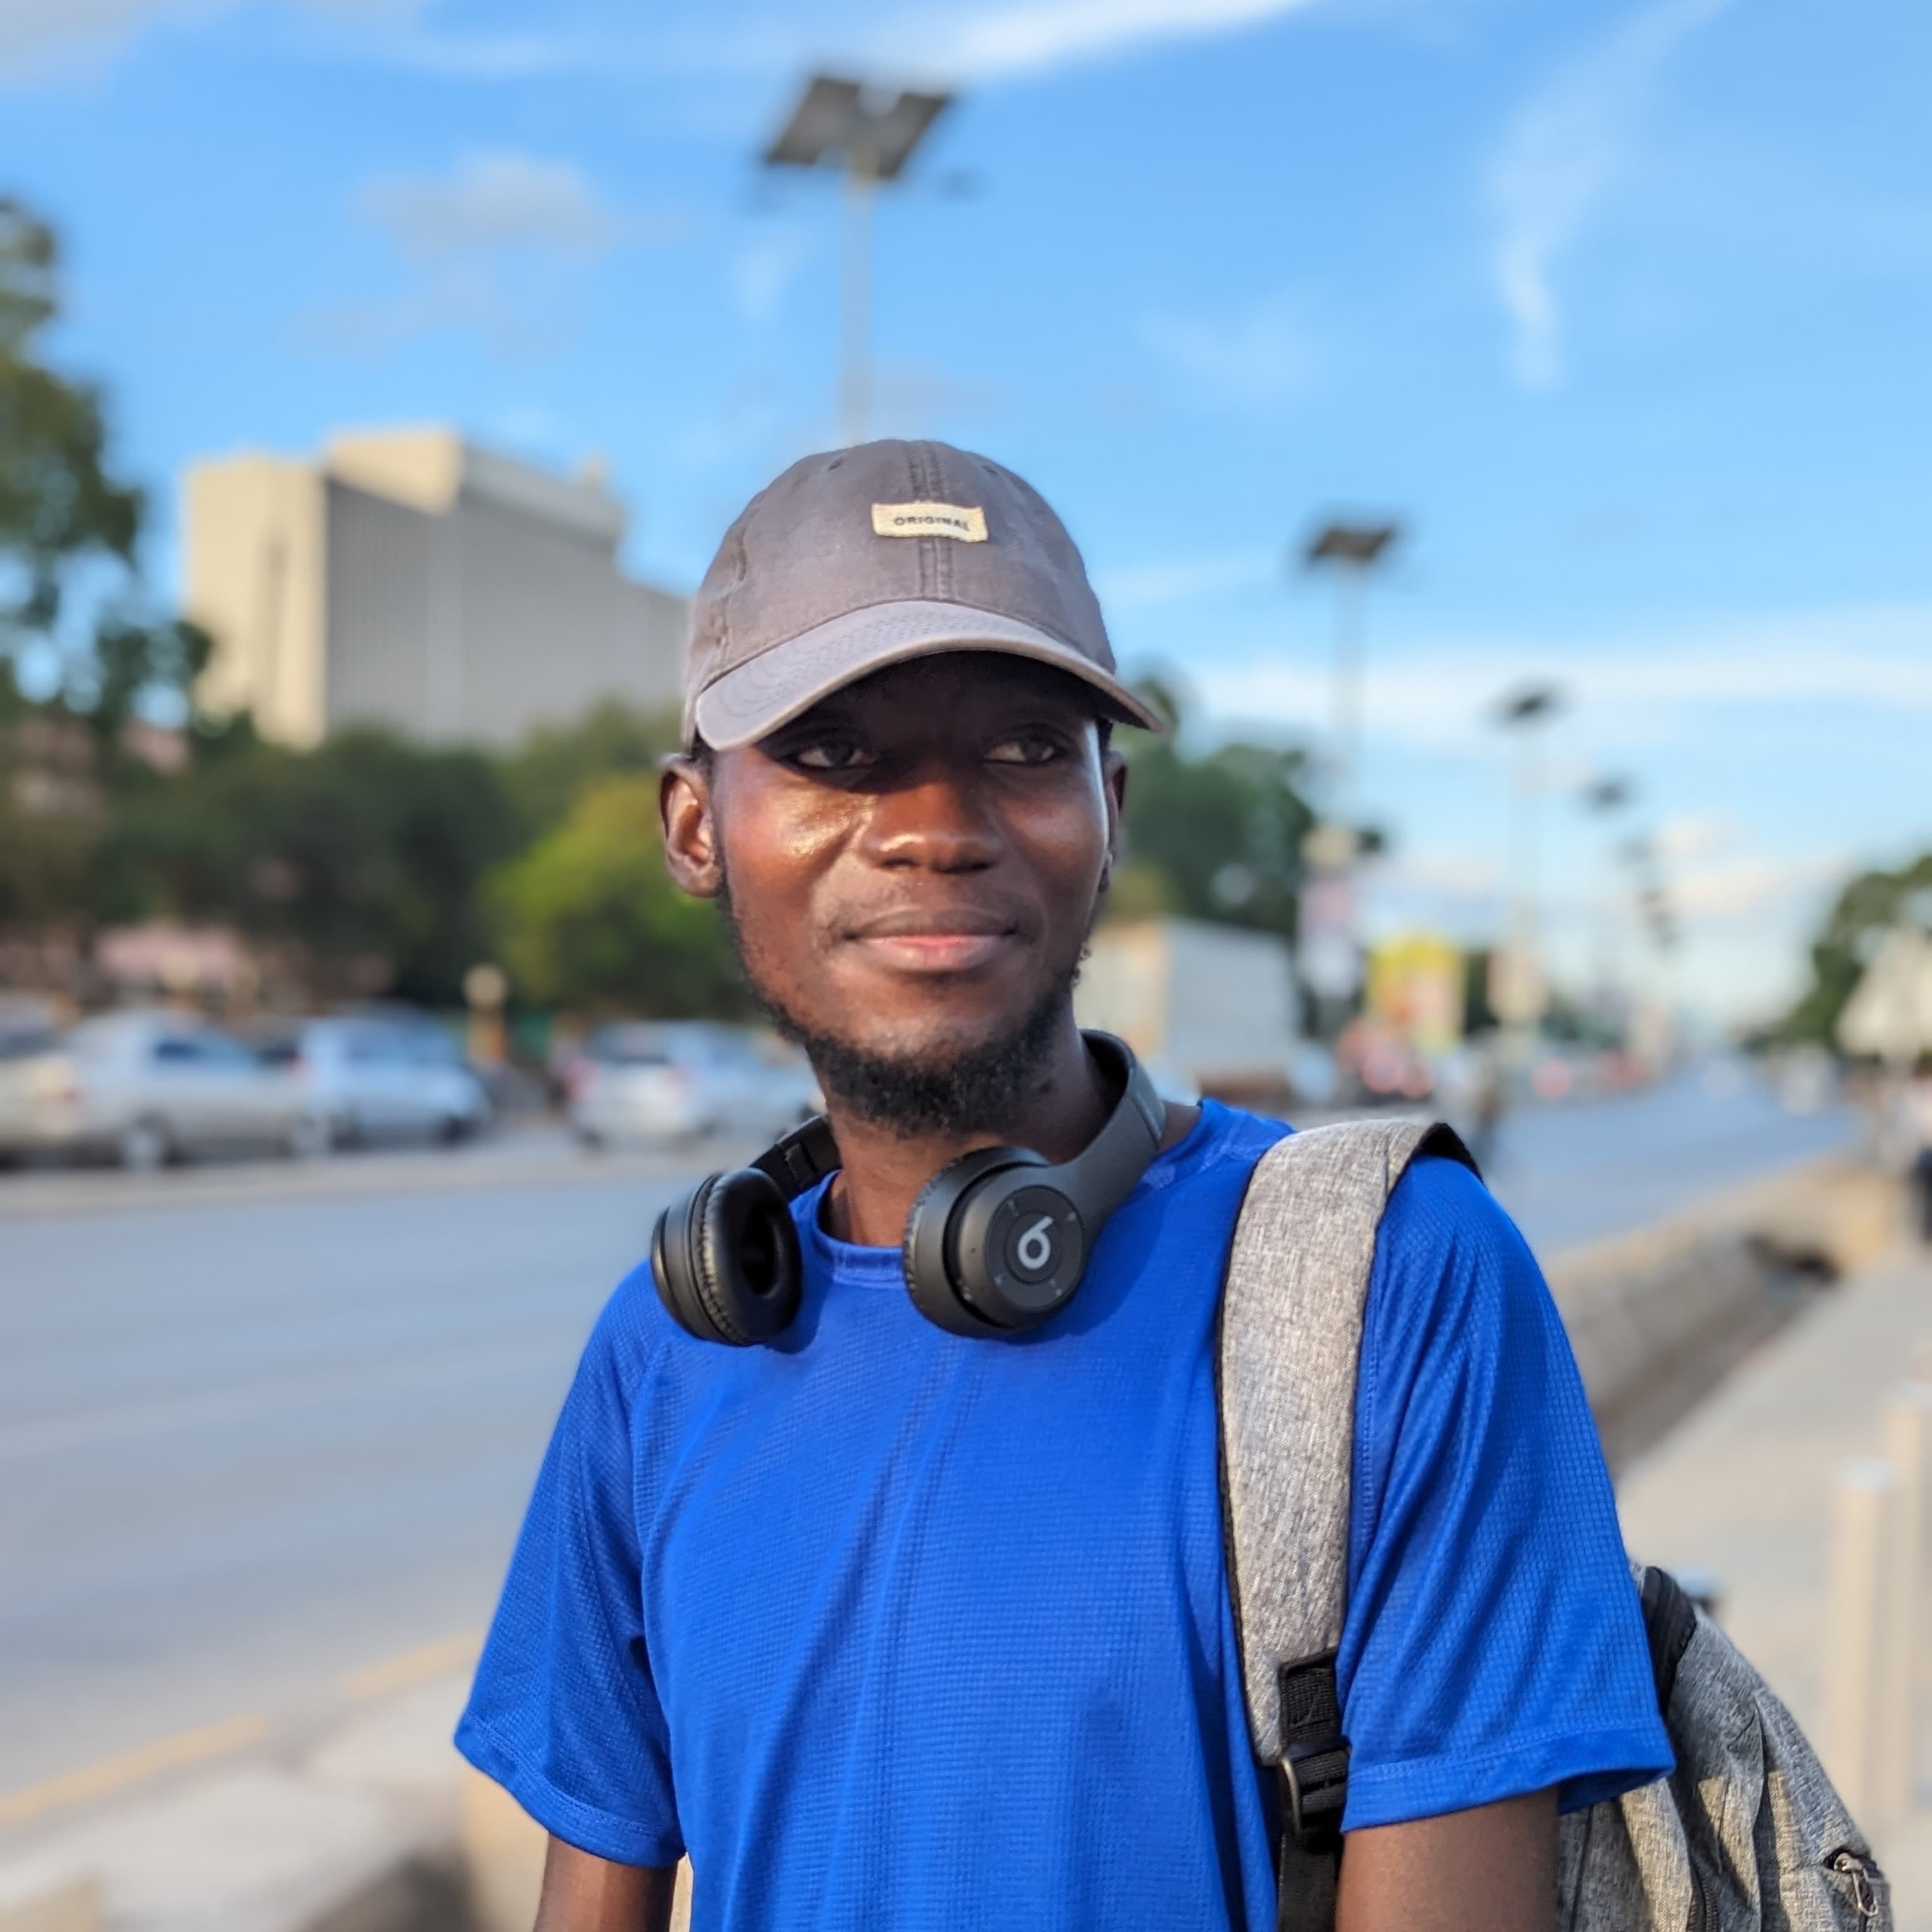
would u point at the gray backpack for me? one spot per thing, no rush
(1746, 1833)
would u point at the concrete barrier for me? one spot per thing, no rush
(57, 1902)
(1862, 1567)
(1656, 1318)
(1908, 1451)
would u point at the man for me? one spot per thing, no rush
(887, 1626)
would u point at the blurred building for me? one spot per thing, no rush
(411, 579)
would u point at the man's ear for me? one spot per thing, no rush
(1114, 777)
(692, 851)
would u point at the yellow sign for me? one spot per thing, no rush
(1415, 989)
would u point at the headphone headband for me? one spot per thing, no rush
(997, 1242)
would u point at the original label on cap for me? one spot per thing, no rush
(963, 524)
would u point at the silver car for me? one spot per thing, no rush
(659, 1080)
(148, 1088)
(382, 1078)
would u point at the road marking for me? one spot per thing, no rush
(441, 1659)
(109, 1774)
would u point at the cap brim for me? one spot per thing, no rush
(785, 682)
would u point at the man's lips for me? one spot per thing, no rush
(954, 940)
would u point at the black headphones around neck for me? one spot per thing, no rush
(997, 1241)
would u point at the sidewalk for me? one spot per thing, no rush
(354, 1830)
(1743, 1490)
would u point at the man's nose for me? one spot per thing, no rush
(941, 820)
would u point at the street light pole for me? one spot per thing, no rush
(1326, 939)
(855, 383)
(1351, 550)
(869, 134)
(1518, 994)
(1604, 797)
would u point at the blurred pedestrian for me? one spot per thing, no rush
(1918, 1122)
(1491, 1103)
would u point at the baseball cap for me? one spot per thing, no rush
(856, 558)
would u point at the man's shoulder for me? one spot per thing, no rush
(631, 1331)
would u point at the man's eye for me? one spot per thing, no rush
(1026, 748)
(832, 755)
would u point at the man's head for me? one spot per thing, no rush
(899, 778)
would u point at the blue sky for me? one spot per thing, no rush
(1622, 308)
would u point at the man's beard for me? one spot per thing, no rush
(980, 1088)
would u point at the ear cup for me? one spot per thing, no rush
(940, 1290)
(726, 1259)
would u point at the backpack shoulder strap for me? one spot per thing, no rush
(1291, 1312)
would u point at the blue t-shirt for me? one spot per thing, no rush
(889, 1627)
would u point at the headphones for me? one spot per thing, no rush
(997, 1242)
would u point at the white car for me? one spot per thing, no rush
(381, 1078)
(681, 1080)
(149, 1088)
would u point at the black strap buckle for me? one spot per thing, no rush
(1315, 1777)
(1314, 1753)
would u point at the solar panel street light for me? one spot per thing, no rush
(1358, 543)
(1329, 960)
(1521, 711)
(870, 133)
(847, 124)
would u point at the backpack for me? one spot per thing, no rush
(1746, 1833)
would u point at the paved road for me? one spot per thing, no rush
(1572, 1174)
(261, 1427)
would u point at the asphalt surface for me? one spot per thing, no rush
(263, 1427)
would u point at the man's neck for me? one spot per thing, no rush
(881, 1172)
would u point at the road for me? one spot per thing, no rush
(262, 1428)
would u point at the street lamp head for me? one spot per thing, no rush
(1607, 795)
(1529, 704)
(846, 124)
(1359, 545)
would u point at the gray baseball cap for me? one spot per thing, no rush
(860, 558)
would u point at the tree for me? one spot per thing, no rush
(557, 764)
(363, 860)
(59, 508)
(590, 920)
(1871, 904)
(1215, 837)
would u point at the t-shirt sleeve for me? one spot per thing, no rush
(564, 1713)
(1494, 1643)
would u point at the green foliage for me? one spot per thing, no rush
(591, 921)
(1868, 906)
(363, 860)
(557, 762)
(59, 507)
(1213, 837)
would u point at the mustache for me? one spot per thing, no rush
(984, 916)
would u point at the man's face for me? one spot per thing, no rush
(914, 865)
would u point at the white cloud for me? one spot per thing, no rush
(1680, 839)
(1635, 689)
(951, 42)
(1031, 39)
(1560, 154)
(1149, 586)
(38, 36)
(497, 198)
(1747, 887)
(497, 248)
(1261, 356)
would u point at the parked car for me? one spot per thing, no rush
(148, 1088)
(382, 1079)
(679, 1080)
